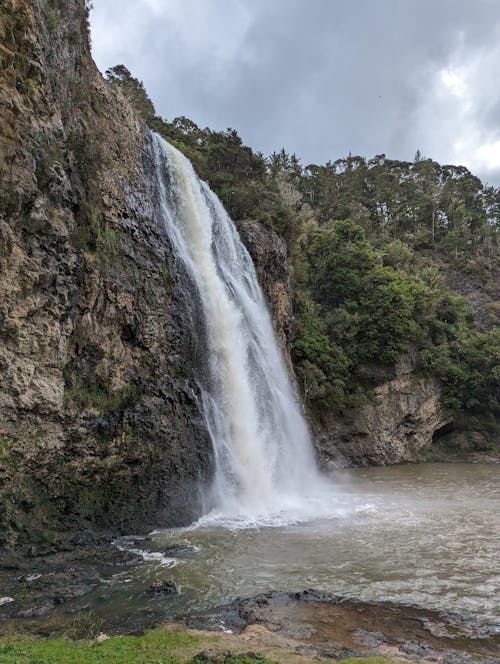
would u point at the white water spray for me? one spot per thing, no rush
(264, 457)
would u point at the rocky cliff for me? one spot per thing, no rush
(397, 425)
(99, 425)
(269, 254)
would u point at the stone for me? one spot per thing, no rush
(6, 600)
(179, 550)
(165, 588)
(396, 426)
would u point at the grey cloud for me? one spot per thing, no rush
(320, 77)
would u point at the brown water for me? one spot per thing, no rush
(417, 534)
(422, 534)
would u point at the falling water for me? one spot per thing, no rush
(264, 457)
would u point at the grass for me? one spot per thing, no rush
(157, 646)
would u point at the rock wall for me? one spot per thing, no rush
(99, 426)
(269, 254)
(396, 426)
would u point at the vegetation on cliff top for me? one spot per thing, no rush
(372, 243)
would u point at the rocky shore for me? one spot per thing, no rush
(283, 627)
(329, 627)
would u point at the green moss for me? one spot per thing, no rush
(101, 399)
(92, 500)
(48, 536)
(94, 237)
(51, 18)
(4, 445)
(107, 244)
(147, 361)
(30, 87)
(36, 434)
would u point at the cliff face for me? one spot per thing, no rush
(396, 426)
(99, 425)
(269, 254)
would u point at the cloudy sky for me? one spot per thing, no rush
(320, 77)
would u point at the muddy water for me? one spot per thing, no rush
(419, 534)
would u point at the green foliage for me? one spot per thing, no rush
(321, 366)
(234, 172)
(134, 90)
(397, 254)
(369, 309)
(420, 203)
(356, 312)
(469, 368)
(339, 259)
(387, 321)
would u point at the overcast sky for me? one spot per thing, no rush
(320, 77)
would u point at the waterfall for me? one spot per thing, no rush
(263, 451)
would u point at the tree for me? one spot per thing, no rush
(134, 90)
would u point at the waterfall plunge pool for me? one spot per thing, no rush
(416, 534)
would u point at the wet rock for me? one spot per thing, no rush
(330, 649)
(77, 609)
(165, 588)
(329, 626)
(269, 254)
(72, 592)
(179, 550)
(214, 657)
(6, 600)
(365, 638)
(36, 611)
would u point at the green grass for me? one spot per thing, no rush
(157, 646)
